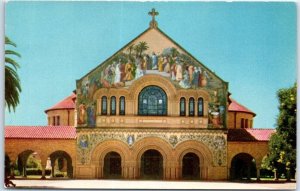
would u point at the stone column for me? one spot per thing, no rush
(258, 167)
(258, 173)
(12, 168)
(130, 170)
(52, 170)
(100, 171)
(179, 172)
(173, 172)
(165, 169)
(23, 161)
(43, 164)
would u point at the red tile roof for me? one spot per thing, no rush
(40, 132)
(235, 106)
(67, 103)
(245, 135)
(261, 134)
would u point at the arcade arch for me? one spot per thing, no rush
(243, 166)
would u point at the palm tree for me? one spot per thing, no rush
(142, 47)
(174, 52)
(12, 81)
(136, 48)
(130, 48)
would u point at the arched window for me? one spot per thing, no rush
(113, 105)
(152, 101)
(122, 105)
(58, 120)
(182, 106)
(200, 106)
(104, 105)
(192, 107)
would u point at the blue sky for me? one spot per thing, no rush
(250, 45)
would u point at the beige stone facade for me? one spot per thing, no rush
(63, 117)
(237, 120)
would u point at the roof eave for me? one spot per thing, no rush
(243, 112)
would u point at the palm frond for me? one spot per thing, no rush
(12, 88)
(12, 80)
(12, 53)
(9, 42)
(12, 62)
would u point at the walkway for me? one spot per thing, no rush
(116, 184)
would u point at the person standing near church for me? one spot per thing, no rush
(191, 71)
(117, 74)
(178, 71)
(166, 65)
(196, 76)
(154, 61)
(160, 64)
(128, 72)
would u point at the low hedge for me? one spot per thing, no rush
(37, 172)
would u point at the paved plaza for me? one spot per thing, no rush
(124, 184)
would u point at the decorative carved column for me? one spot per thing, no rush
(171, 171)
(130, 170)
(100, 171)
(179, 172)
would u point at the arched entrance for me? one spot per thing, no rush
(112, 168)
(242, 167)
(152, 101)
(29, 164)
(190, 167)
(61, 164)
(151, 165)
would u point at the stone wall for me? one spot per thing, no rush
(43, 147)
(234, 119)
(66, 116)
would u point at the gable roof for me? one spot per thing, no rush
(67, 103)
(246, 135)
(40, 132)
(165, 35)
(235, 106)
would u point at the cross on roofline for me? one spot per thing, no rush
(153, 13)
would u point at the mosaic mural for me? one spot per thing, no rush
(215, 142)
(133, 63)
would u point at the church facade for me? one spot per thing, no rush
(153, 111)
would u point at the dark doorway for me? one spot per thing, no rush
(112, 166)
(242, 167)
(190, 167)
(152, 165)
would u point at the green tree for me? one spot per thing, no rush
(12, 81)
(140, 48)
(282, 145)
(130, 49)
(143, 47)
